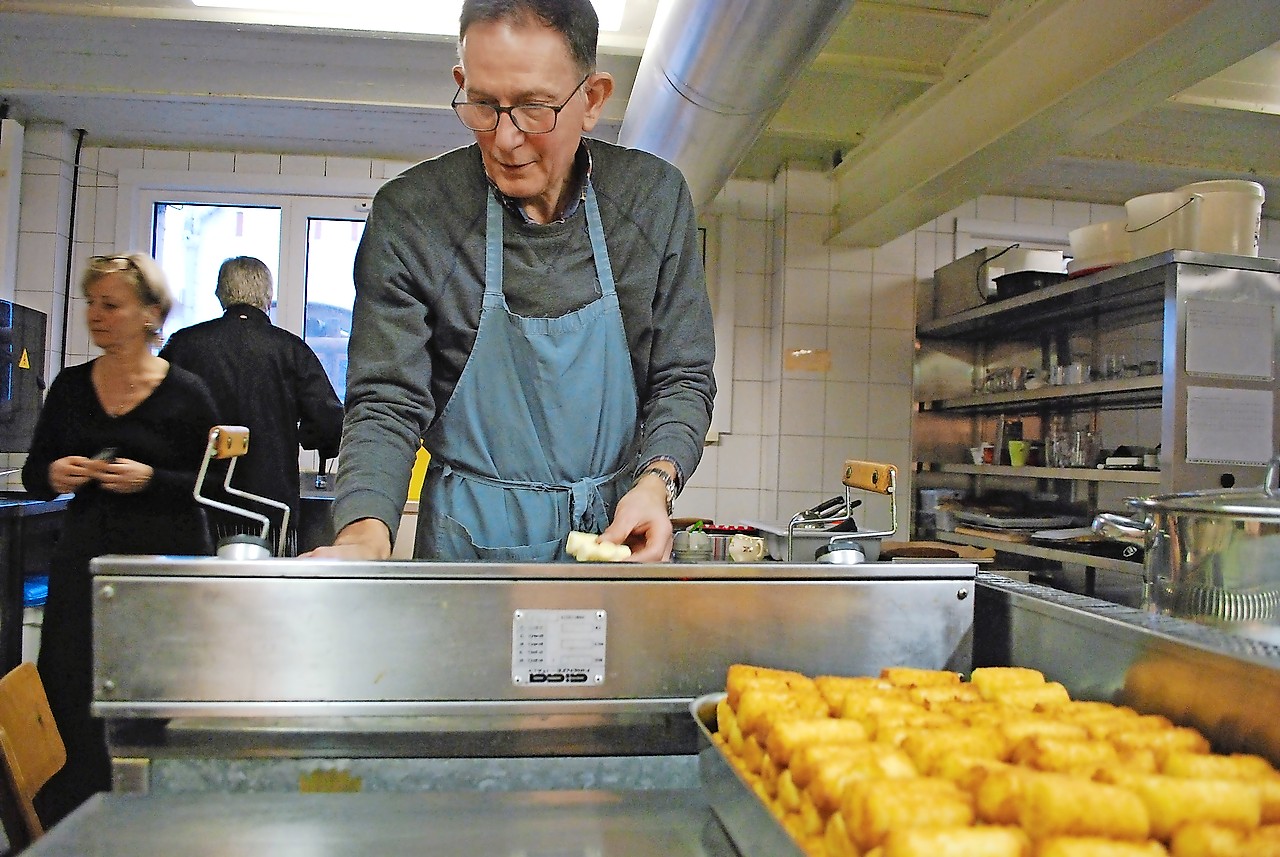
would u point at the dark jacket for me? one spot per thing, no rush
(267, 379)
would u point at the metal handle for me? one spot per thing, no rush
(880, 478)
(228, 441)
(1271, 484)
(824, 509)
(1118, 528)
(1195, 197)
(870, 476)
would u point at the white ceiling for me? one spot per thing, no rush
(925, 103)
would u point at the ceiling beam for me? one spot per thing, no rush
(98, 57)
(1061, 79)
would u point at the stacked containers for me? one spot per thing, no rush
(1163, 221)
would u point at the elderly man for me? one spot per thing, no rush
(533, 307)
(267, 379)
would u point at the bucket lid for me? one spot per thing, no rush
(1242, 186)
(1164, 199)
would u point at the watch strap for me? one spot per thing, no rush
(668, 482)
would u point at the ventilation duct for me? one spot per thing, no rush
(713, 74)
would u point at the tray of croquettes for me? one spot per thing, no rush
(997, 763)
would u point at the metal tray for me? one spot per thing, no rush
(755, 831)
(1020, 522)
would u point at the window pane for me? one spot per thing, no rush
(331, 292)
(193, 240)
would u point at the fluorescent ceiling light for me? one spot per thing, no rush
(437, 17)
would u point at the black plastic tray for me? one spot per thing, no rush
(1021, 282)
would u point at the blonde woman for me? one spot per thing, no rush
(125, 433)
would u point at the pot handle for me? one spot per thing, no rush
(1271, 484)
(1118, 528)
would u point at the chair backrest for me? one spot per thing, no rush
(31, 748)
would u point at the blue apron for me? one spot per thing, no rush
(539, 436)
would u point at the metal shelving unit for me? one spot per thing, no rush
(1076, 474)
(1061, 555)
(1117, 295)
(1116, 393)
(1068, 322)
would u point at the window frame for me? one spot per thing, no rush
(299, 198)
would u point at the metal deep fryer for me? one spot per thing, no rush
(298, 657)
(229, 443)
(809, 534)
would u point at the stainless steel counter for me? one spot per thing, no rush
(184, 638)
(1227, 686)
(207, 662)
(501, 824)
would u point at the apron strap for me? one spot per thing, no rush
(595, 230)
(493, 248)
(587, 510)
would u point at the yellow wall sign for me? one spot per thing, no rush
(25, 362)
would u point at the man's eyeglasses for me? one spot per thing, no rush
(111, 264)
(528, 118)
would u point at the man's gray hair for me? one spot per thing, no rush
(244, 280)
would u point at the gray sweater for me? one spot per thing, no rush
(419, 277)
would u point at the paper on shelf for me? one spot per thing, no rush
(1231, 340)
(1226, 426)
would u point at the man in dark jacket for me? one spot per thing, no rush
(267, 379)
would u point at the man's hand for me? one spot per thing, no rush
(366, 539)
(641, 522)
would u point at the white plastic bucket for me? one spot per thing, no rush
(1020, 259)
(1099, 245)
(1230, 215)
(1162, 221)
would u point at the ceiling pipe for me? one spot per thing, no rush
(713, 74)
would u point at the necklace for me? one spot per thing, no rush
(126, 401)
(119, 396)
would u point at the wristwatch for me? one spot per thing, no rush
(668, 482)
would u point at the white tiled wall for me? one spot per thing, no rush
(791, 430)
(43, 214)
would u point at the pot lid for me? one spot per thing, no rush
(1263, 502)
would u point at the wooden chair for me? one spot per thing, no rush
(31, 750)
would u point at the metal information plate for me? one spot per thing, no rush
(552, 647)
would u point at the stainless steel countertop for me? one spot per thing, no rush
(442, 824)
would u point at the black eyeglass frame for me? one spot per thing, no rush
(510, 111)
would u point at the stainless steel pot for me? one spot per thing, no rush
(1210, 555)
